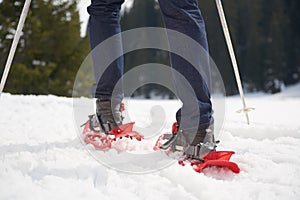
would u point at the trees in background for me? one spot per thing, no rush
(146, 14)
(265, 33)
(266, 39)
(50, 50)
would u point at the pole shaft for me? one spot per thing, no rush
(14, 44)
(232, 54)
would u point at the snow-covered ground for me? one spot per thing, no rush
(42, 157)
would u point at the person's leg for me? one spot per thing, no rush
(104, 23)
(195, 135)
(184, 16)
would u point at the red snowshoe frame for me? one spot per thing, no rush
(104, 141)
(211, 159)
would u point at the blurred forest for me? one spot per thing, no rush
(50, 50)
(265, 34)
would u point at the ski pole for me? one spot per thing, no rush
(245, 109)
(14, 44)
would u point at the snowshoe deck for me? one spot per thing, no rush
(103, 141)
(211, 159)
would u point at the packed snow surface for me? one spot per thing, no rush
(43, 157)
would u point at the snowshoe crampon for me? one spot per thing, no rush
(211, 159)
(102, 141)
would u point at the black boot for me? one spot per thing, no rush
(194, 145)
(191, 144)
(107, 116)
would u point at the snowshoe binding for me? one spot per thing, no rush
(197, 150)
(105, 127)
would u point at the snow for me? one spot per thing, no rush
(42, 157)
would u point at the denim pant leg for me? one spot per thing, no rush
(184, 16)
(104, 23)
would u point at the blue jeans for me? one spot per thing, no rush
(180, 15)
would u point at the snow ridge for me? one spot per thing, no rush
(42, 157)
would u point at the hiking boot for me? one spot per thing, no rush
(191, 145)
(107, 116)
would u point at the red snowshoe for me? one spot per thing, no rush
(102, 141)
(101, 136)
(210, 159)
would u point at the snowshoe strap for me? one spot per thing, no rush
(170, 141)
